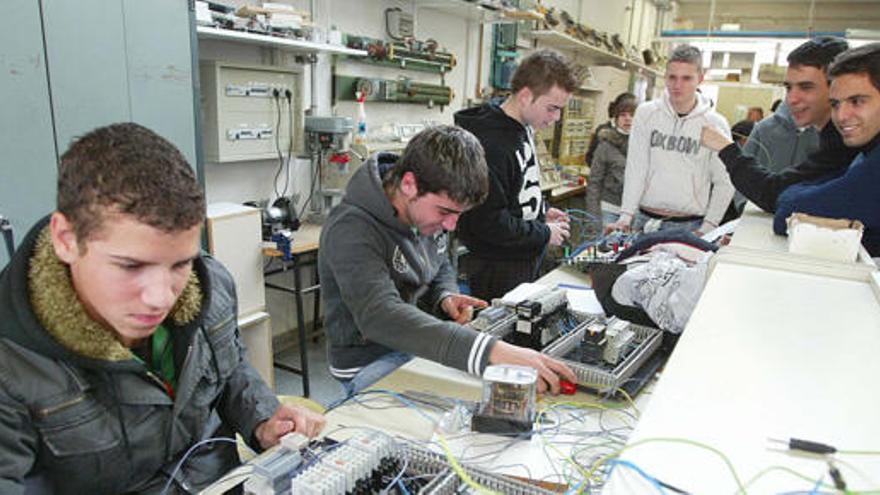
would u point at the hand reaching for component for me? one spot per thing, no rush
(460, 307)
(288, 419)
(549, 369)
(558, 232)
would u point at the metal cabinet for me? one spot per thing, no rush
(68, 67)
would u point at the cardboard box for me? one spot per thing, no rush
(826, 238)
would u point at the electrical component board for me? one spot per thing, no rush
(368, 462)
(250, 112)
(542, 319)
(575, 127)
(535, 322)
(604, 355)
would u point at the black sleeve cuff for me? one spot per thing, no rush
(729, 154)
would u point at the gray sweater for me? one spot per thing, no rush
(380, 280)
(607, 171)
(776, 143)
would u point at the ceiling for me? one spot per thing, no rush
(780, 15)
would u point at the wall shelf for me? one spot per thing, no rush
(299, 46)
(482, 11)
(563, 41)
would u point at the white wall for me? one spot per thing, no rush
(242, 181)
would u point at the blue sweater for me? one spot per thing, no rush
(854, 194)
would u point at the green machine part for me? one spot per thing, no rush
(401, 90)
(410, 54)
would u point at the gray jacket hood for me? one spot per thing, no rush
(365, 191)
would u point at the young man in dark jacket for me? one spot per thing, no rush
(386, 276)
(119, 348)
(854, 192)
(508, 234)
(806, 84)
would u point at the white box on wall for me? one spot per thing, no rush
(241, 111)
(235, 239)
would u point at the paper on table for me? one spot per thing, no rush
(582, 299)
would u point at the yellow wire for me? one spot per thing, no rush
(790, 471)
(603, 460)
(568, 458)
(453, 463)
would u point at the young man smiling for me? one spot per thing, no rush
(806, 85)
(853, 192)
(507, 235)
(669, 177)
(385, 274)
(119, 348)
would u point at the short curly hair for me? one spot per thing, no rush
(444, 159)
(128, 169)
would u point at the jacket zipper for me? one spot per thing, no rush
(217, 326)
(46, 411)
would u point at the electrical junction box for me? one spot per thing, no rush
(243, 119)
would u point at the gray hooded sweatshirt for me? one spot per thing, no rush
(777, 143)
(380, 281)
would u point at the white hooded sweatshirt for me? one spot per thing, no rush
(667, 168)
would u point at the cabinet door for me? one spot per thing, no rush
(159, 65)
(86, 54)
(121, 61)
(27, 161)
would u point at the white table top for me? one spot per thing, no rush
(767, 353)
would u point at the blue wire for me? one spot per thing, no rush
(575, 488)
(402, 487)
(638, 470)
(815, 489)
(403, 400)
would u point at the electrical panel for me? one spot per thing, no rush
(250, 112)
(369, 462)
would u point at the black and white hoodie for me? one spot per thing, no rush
(509, 225)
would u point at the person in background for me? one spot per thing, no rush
(594, 139)
(806, 96)
(508, 234)
(854, 192)
(119, 345)
(755, 114)
(605, 184)
(387, 281)
(670, 179)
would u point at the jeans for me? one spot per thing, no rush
(639, 221)
(374, 372)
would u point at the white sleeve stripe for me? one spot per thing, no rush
(476, 354)
(470, 359)
(483, 345)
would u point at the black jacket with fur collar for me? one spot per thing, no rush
(78, 414)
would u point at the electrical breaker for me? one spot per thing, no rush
(250, 112)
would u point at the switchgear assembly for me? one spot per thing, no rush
(250, 112)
